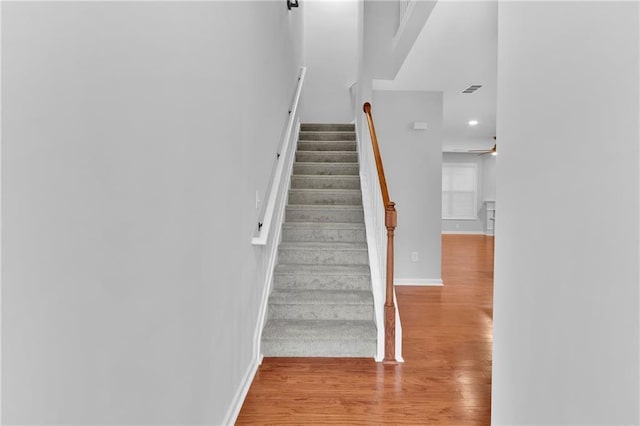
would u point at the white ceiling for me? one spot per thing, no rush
(457, 48)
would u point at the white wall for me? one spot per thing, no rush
(380, 24)
(413, 168)
(331, 56)
(489, 177)
(134, 136)
(566, 275)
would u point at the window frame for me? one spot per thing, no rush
(476, 174)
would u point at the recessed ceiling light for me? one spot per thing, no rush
(473, 122)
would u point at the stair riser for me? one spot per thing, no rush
(323, 348)
(348, 198)
(323, 127)
(324, 235)
(321, 182)
(327, 146)
(323, 257)
(327, 136)
(326, 169)
(322, 282)
(326, 157)
(324, 215)
(321, 312)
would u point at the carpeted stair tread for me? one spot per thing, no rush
(325, 168)
(325, 225)
(302, 269)
(282, 329)
(316, 196)
(327, 127)
(331, 252)
(322, 277)
(307, 135)
(323, 297)
(326, 157)
(342, 146)
(325, 191)
(314, 304)
(300, 176)
(325, 182)
(324, 232)
(324, 214)
(314, 245)
(319, 207)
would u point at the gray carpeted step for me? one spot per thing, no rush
(349, 146)
(325, 182)
(329, 253)
(322, 277)
(327, 127)
(341, 214)
(319, 338)
(321, 304)
(326, 157)
(330, 197)
(338, 232)
(325, 169)
(327, 136)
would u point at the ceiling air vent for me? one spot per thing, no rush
(472, 88)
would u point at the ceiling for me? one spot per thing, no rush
(457, 48)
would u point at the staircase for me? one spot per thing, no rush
(321, 304)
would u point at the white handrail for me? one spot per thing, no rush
(263, 233)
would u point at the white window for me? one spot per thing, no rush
(459, 190)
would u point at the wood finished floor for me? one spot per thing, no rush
(446, 376)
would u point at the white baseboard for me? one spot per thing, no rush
(241, 393)
(425, 282)
(463, 232)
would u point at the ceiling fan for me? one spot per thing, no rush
(493, 150)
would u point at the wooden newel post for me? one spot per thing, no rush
(391, 221)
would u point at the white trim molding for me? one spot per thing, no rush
(241, 393)
(421, 282)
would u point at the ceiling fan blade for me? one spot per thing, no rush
(492, 150)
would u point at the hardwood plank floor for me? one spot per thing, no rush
(446, 376)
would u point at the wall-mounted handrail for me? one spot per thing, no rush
(390, 219)
(264, 226)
